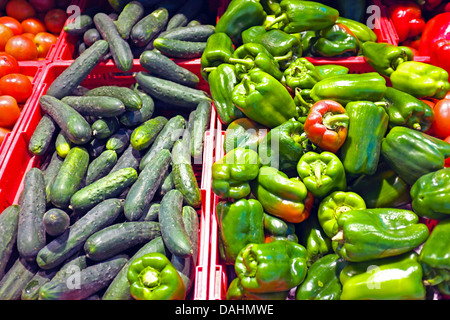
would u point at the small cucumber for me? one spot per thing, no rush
(71, 122)
(101, 166)
(144, 189)
(119, 237)
(149, 27)
(161, 66)
(180, 49)
(91, 36)
(128, 17)
(105, 127)
(56, 221)
(166, 185)
(186, 13)
(195, 33)
(96, 106)
(79, 26)
(73, 239)
(42, 136)
(51, 172)
(130, 158)
(135, 118)
(31, 233)
(9, 221)
(130, 98)
(31, 290)
(68, 180)
(152, 213)
(144, 135)
(200, 125)
(17, 277)
(62, 145)
(119, 141)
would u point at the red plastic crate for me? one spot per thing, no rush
(18, 160)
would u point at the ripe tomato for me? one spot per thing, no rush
(3, 133)
(16, 85)
(13, 24)
(8, 64)
(33, 25)
(20, 9)
(44, 41)
(42, 5)
(9, 111)
(22, 48)
(441, 124)
(54, 20)
(5, 34)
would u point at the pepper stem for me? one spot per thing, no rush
(398, 61)
(149, 277)
(298, 95)
(209, 69)
(276, 20)
(434, 282)
(249, 63)
(246, 83)
(285, 57)
(335, 120)
(417, 126)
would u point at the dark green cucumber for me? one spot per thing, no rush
(119, 289)
(17, 277)
(161, 66)
(96, 146)
(194, 23)
(119, 47)
(56, 221)
(31, 290)
(120, 140)
(119, 237)
(166, 185)
(62, 145)
(72, 240)
(189, 127)
(51, 172)
(130, 98)
(200, 125)
(9, 221)
(144, 189)
(42, 136)
(71, 122)
(144, 135)
(183, 174)
(171, 92)
(31, 233)
(91, 36)
(185, 14)
(171, 132)
(152, 213)
(101, 166)
(96, 105)
(118, 5)
(173, 231)
(196, 33)
(74, 264)
(149, 27)
(179, 49)
(137, 117)
(128, 17)
(110, 186)
(130, 158)
(69, 177)
(79, 26)
(92, 279)
(78, 70)
(105, 127)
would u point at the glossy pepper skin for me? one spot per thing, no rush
(322, 173)
(153, 277)
(336, 41)
(435, 257)
(331, 70)
(237, 292)
(421, 80)
(370, 234)
(264, 99)
(244, 133)
(412, 154)
(430, 194)
(239, 223)
(219, 49)
(385, 58)
(406, 16)
(408, 111)
(375, 280)
(301, 74)
(231, 174)
(275, 227)
(359, 30)
(271, 267)
(280, 196)
(331, 207)
(437, 28)
(440, 55)
(361, 151)
(308, 38)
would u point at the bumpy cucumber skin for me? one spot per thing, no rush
(128, 17)
(180, 49)
(201, 121)
(137, 117)
(101, 166)
(15, 280)
(105, 127)
(42, 136)
(56, 221)
(79, 26)
(145, 134)
(9, 221)
(130, 98)
(51, 172)
(119, 141)
(96, 106)
(148, 27)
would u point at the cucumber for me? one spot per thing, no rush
(173, 231)
(72, 123)
(62, 145)
(130, 158)
(119, 237)
(171, 92)
(91, 280)
(200, 125)
(56, 221)
(17, 277)
(9, 221)
(51, 172)
(183, 174)
(128, 17)
(118, 5)
(91, 36)
(119, 47)
(189, 127)
(79, 26)
(101, 166)
(70, 266)
(42, 136)
(135, 118)
(130, 99)
(69, 177)
(144, 135)
(105, 127)
(149, 27)
(166, 185)
(161, 66)
(196, 33)
(78, 70)
(184, 14)
(179, 49)
(79, 91)
(30, 232)
(152, 213)
(171, 132)
(119, 289)
(107, 187)
(31, 290)
(73, 239)
(96, 147)
(96, 106)
(119, 141)
(144, 189)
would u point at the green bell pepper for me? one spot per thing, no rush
(375, 280)
(219, 49)
(370, 234)
(359, 30)
(237, 292)
(264, 99)
(231, 174)
(385, 58)
(276, 228)
(239, 223)
(322, 173)
(421, 80)
(271, 267)
(331, 70)
(301, 74)
(322, 281)
(308, 38)
(243, 133)
(412, 154)
(336, 41)
(431, 193)
(333, 206)
(271, 7)
(153, 277)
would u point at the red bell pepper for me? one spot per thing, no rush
(447, 161)
(437, 28)
(327, 124)
(440, 54)
(407, 19)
